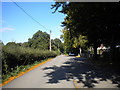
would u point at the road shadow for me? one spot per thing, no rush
(87, 73)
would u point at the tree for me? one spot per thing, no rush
(25, 44)
(1, 43)
(40, 40)
(97, 21)
(11, 44)
(80, 42)
(19, 44)
(66, 37)
(54, 48)
(58, 44)
(70, 44)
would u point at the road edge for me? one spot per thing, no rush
(22, 73)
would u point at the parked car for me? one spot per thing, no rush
(72, 54)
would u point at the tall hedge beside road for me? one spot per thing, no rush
(17, 56)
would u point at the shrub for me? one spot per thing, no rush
(17, 56)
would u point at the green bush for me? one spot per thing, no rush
(17, 56)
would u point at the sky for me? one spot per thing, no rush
(18, 27)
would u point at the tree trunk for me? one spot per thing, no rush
(113, 53)
(80, 51)
(95, 50)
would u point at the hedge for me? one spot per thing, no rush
(17, 56)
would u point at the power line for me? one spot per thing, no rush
(29, 15)
(33, 19)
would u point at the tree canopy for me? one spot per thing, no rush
(57, 45)
(40, 40)
(98, 21)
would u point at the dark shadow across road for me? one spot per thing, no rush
(84, 71)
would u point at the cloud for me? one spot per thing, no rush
(6, 29)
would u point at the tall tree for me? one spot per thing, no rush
(40, 40)
(66, 37)
(58, 44)
(81, 43)
(98, 21)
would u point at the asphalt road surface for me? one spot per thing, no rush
(62, 71)
(44, 76)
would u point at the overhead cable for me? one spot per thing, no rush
(29, 15)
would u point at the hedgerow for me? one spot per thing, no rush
(19, 56)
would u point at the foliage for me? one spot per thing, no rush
(98, 21)
(58, 44)
(17, 56)
(25, 44)
(39, 40)
(1, 43)
(18, 69)
(20, 54)
(36, 49)
(67, 40)
(80, 42)
(72, 43)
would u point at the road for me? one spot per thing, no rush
(62, 71)
(44, 76)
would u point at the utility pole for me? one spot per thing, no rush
(50, 40)
(58, 46)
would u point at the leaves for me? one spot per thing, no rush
(80, 42)
(40, 40)
(98, 21)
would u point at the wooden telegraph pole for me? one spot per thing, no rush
(50, 40)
